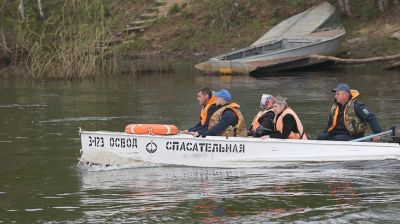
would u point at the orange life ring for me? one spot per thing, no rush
(151, 129)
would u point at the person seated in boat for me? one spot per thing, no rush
(349, 117)
(263, 122)
(208, 107)
(227, 120)
(287, 123)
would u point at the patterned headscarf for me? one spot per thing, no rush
(266, 101)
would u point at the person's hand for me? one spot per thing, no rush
(194, 134)
(185, 131)
(376, 139)
(265, 137)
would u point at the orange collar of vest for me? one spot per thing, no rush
(212, 100)
(354, 93)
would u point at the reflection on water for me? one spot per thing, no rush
(18, 105)
(39, 150)
(308, 192)
(70, 119)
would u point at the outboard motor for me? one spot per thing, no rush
(396, 133)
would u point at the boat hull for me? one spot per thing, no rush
(116, 148)
(282, 59)
(326, 47)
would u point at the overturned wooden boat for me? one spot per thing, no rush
(288, 45)
(118, 148)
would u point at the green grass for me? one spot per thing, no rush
(174, 9)
(64, 45)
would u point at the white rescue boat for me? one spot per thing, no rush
(119, 148)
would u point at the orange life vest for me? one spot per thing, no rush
(204, 111)
(238, 130)
(293, 135)
(255, 124)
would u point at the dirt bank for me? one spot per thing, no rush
(198, 31)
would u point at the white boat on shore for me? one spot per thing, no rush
(288, 45)
(119, 148)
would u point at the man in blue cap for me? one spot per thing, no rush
(227, 120)
(349, 117)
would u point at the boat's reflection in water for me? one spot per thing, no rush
(308, 192)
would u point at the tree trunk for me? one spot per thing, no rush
(235, 4)
(235, 9)
(39, 2)
(381, 5)
(21, 9)
(3, 43)
(347, 7)
(341, 4)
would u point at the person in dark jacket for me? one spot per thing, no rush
(349, 117)
(227, 120)
(208, 107)
(263, 122)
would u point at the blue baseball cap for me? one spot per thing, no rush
(224, 94)
(342, 87)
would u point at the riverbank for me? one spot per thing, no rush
(197, 33)
(112, 43)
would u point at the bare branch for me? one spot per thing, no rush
(394, 66)
(355, 61)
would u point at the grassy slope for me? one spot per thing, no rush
(205, 28)
(195, 31)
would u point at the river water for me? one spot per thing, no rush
(41, 181)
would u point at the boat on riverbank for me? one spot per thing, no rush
(288, 45)
(119, 148)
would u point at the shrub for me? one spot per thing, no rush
(174, 9)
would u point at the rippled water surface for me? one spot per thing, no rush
(41, 180)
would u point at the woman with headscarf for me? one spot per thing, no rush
(263, 122)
